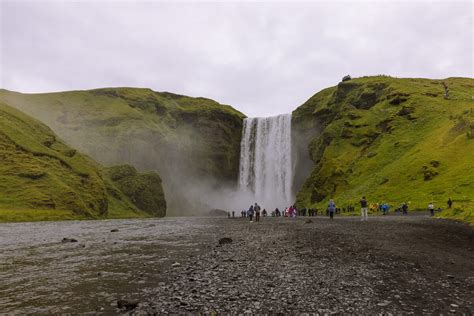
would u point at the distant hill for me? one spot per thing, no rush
(41, 178)
(389, 139)
(193, 143)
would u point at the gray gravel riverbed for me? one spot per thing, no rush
(390, 264)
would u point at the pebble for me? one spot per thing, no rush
(65, 240)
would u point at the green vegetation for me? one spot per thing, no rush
(188, 141)
(391, 140)
(143, 189)
(41, 178)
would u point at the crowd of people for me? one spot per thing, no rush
(255, 211)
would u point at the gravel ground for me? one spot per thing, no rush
(387, 265)
(393, 264)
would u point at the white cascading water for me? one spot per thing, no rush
(266, 169)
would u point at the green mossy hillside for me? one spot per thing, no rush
(391, 140)
(143, 189)
(41, 178)
(38, 171)
(188, 141)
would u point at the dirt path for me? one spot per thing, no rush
(390, 264)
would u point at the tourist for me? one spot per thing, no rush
(257, 213)
(385, 208)
(233, 214)
(277, 212)
(331, 208)
(264, 213)
(431, 208)
(450, 203)
(363, 208)
(250, 213)
(405, 208)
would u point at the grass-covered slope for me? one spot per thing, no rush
(191, 142)
(143, 189)
(41, 178)
(391, 140)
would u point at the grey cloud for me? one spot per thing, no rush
(262, 58)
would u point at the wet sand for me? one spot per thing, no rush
(389, 264)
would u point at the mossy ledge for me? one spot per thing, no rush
(143, 189)
(389, 139)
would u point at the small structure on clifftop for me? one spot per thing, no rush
(346, 78)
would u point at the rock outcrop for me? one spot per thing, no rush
(143, 189)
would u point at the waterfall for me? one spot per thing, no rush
(266, 169)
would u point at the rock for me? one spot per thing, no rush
(114, 230)
(127, 305)
(65, 240)
(346, 78)
(308, 221)
(383, 304)
(225, 240)
(176, 264)
(454, 305)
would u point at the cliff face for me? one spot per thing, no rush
(193, 143)
(389, 139)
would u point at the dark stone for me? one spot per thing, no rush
(386, 125)
(65, 240)
(366, 100)
(346, 133)
(405, 111)
(70, 153)
(434, 163)
(127, 305)
(308, 221)
(114, 230)
(32, 174)
(397, 100)
(225, 240)
(346, 78)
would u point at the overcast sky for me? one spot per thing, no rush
(263, 58)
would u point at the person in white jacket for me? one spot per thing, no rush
(431, 208)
